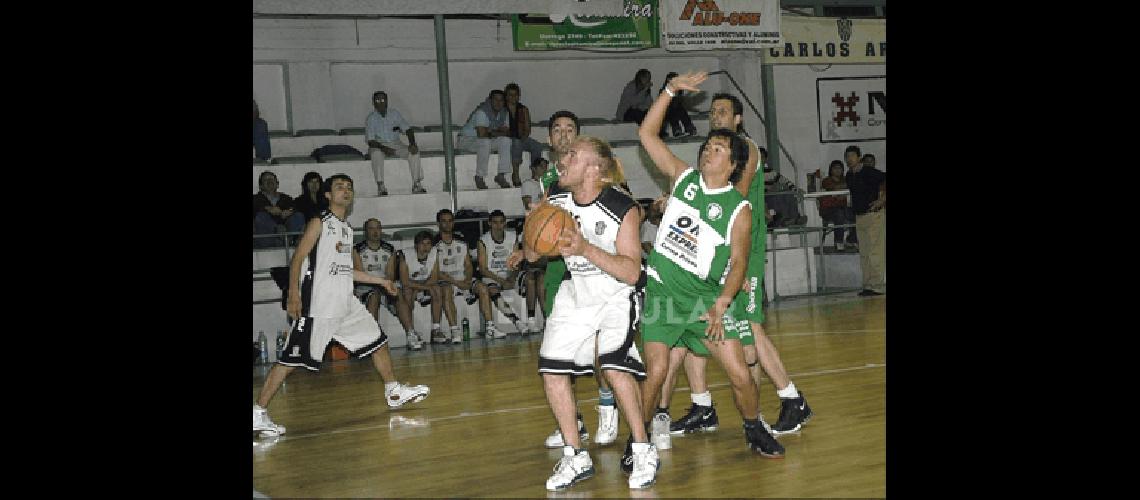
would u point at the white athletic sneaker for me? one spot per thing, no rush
(607, 424)
(262, 423)
(456, 336)
(532, 325)
(403, 393)
(494, 333)
(571, 468)
(414, 341)
(644, 466)
(659, 432)
(554, 440)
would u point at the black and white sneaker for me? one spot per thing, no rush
(627, 457)
(761, 442)
(699, 419)
(794, 413)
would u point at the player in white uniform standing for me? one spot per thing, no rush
(323, 307)
(379, 258)
(599, 303)
(494, 247)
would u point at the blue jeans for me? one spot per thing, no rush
(263, 223)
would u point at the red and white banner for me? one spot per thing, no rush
(719, 24)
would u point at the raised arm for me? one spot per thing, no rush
(662, 157)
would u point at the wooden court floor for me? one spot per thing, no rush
(481, 432)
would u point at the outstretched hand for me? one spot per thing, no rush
(689, 81)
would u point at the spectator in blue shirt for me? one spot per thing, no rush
(382, 131)
(260, 136)
(488, 128)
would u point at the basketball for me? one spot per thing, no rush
(543, 226)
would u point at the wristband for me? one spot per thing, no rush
(670, 92)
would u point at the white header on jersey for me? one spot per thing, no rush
(451, 255)
(598, 222)
(497, 253)
(330, 262)
(418, 270)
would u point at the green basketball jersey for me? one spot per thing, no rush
(549, 178)
(691, 251)
(756, 198)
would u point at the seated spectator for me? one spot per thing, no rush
(379, 258)
(676, 116)
(308, 203)
(271, 208)
(532, 188)
(382, 131)
(261, 149)
(488, 129)
(635, 98)
(418, 274)
(520, 132)
(779, 197)
(834, 209)
(494, 247)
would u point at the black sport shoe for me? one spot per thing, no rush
(794, 413)
(761, 442)
(700, 418)
(627, 457)
(867, 292)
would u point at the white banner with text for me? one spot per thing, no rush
(719, 24)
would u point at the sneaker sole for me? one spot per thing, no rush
(586, 474)
(766, 454)
(710, 428)
(795, 430)
(268, 432)
(416, 399)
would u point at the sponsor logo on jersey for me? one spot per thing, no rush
(715, 211)
(600, 228)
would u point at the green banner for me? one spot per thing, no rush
(638, 28)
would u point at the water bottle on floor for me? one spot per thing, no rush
(281, 343)
(263, 348)
(466, 329)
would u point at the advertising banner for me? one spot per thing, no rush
(638, 27)
(852, 109)
(719, 24)
(829, 40)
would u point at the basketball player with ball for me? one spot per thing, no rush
(563, 132)
(595, 227)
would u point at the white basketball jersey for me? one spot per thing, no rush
(420, 270)
(451, 255)
(326, 287)
(375, 261)
(598, 222)
(497, 253)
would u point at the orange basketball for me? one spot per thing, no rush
(543, 226)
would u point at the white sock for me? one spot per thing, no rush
(434, 326)
(789, 391)
(388, 386)
(702, 399)
(490, 325)
(640, 447)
